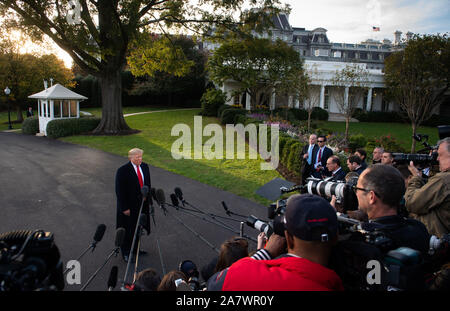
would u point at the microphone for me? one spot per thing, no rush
(174, 199)
(98, 236)
(179, 194)
(120, 235)
(153, 193)
(144, 191)
(112, 281)
(160, 197)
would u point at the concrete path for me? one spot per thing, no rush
(69, 190)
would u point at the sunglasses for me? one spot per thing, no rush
(320, 141)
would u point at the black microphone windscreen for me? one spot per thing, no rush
(143, 220)
(144, 191)
(98, 236)
(160, 196)
(112, 281)
(120, 236)
(179, 193)
(174, 199)
(224, 206)
(153, 193)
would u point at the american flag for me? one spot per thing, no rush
(375, 28)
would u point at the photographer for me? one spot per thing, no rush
(379, 190)
(430, 201)
(310, 232)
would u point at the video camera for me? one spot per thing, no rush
(30, 260)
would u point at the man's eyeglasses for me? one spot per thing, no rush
(355, 189)
(320, 141)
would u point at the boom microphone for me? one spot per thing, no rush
(144, 191)
(98, 236)
(174, 199)
(153, 193)
(160, 197)
(120, 235)
(112, 281)
(179, 193)
(226, 208)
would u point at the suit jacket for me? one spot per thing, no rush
(339, 176)
(326, 153)
(129, 197)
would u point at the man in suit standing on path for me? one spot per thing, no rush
(320, 158)
(307, 157)
(130, 178)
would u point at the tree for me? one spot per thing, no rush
(97, 34)
(185, 67)
(24, 73)
(351, 84)
(260, 66)
(418, 77)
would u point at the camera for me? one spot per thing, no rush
(274, 226)
(190, 270)
(417, 158)
(342, 190)
(30, 260)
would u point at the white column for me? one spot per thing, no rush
(248, 101)
(52, 113)
(290, 101)
(346, 96)
(369, 99)
(322, 97)
(297, 104)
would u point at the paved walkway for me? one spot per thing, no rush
(68, 189)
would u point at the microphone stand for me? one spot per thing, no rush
(79, 257)
(136, 232)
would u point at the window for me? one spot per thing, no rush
(73, 108)
(327, 99)
(320, 52)
(337, 54)
(65, 109)
(57, 109)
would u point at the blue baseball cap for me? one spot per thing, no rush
(310, 218)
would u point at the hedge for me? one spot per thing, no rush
(30, 126)
(211, 100)
(228, 115)
(68, 127)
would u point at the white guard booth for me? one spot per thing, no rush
(56, 102)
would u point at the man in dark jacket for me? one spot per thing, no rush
(130, 178)
(334, 166)
(320, 157)
(310, 232)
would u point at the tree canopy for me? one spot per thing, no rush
(418, 76)
(261, 66)
(97, 34)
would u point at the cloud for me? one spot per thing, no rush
(351, 21)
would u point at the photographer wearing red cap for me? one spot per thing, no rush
(310, 232)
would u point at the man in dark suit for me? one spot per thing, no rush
(130, 178)
(354, 164)
(334, 166)
(320, 158)
(307, 157)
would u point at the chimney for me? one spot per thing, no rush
(397, 35)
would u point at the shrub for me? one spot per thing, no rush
(319, 114)
(285, 152)
(221, 109)
(30, 126)
(240, 119)
(389, 143)
(299, 114)
(68, 127)
(211, 100)
(294, 162)
(377, 116)
(357, 141)
(228, 115)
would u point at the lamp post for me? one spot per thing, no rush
(7, 92)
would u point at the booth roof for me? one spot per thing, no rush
(57, 91)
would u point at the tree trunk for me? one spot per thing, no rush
(347, 125)
(309, 119)
(113, 122)
(19, 114)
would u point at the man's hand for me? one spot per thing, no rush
(305, 156)
(127, 212)
(414, 171)
(276, 245)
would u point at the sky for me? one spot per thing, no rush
(351, 21)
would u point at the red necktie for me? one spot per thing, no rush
(320, 155)
(141, 182)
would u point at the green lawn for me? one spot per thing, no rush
(401, 131)
(4, 120)
(242, 177)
